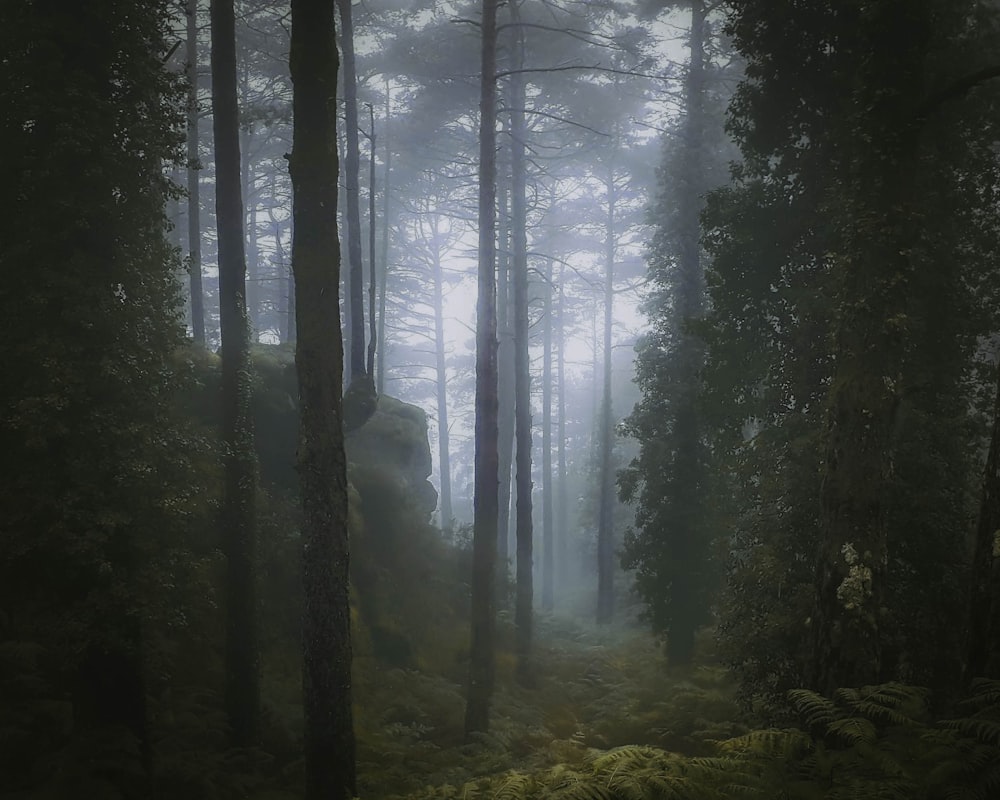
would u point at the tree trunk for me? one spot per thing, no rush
(444, 459)
(373, 272)
(380, 386)
(239, 504)
(352, 219)
(562, 510)
(524, 595)
(548, 542)
(248, 184)
(194, 165)
(505, 359)
(606, 500)
(329, 745)
(482, 666)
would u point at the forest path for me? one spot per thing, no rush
(596, 688)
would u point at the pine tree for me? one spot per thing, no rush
(329, 732)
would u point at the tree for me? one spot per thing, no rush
(193, 167)
(352, 214)
(524, 559)
(845, 373)
(240, 497)
(482, 667)
(322, 464)
(91, 460)
(670, 547)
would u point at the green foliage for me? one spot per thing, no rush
(782, 241)
(872, 742)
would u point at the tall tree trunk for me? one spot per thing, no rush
(380, 385)
(983, 649)
(444, 459)
(562, 510)
(329, 743)
(373, 282)
(505, 365)
(524, 595)
(248, 184)
(352, 219)
(197, 293)
(548, 541)
(239, 505)
(482, 666)
(606, 501)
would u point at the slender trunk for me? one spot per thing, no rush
(548, 542)
(482, 666)
(605, 523)
(524, 596)
(347, 310)
(253, 251)
(380, 387)
(197, 293)
(444, 459)
(562, 511)
(372, 284)
(239, 504)
(328, 741)
(352, 168)
(505, 358)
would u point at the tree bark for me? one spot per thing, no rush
(197, 293)
(329, 743)
(239, 503)
(482, 667)
(352, 219)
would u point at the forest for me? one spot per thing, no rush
(577, 399)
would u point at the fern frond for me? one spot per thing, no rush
(814, 708)
(985, 693)
(785, 742)
(853, 730)
(513, 786)
(892, 703)
(978, 728)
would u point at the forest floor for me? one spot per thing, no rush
(593, 689)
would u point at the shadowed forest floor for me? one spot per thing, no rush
(595, 689)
